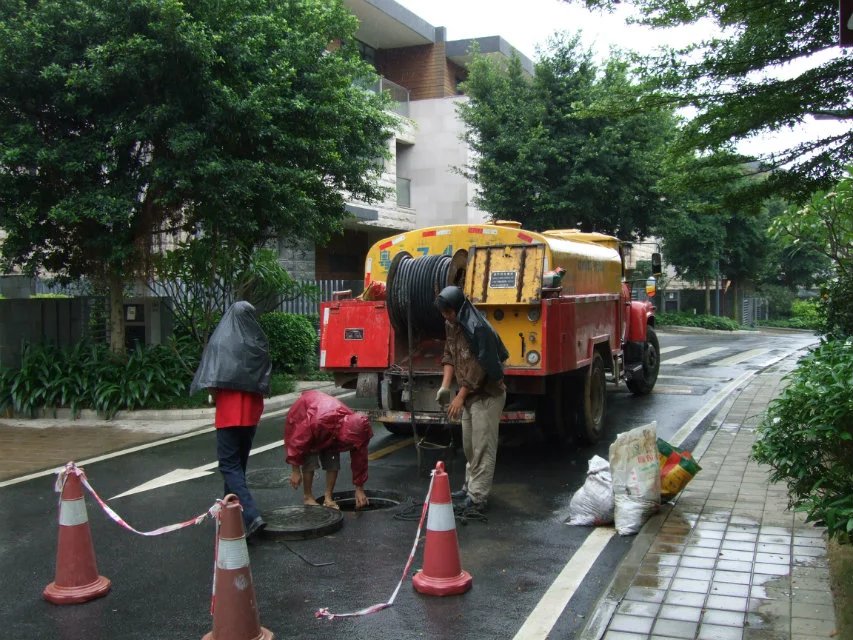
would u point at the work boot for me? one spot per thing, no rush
(461, 494)
(470, 505)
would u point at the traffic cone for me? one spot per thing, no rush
(77, 578)
(235, 610)
(442, 573)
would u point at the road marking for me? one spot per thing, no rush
(671, 349)
(673, 390)
(739, 357)
(687, 428)
(391, 448)
(695, 355)
(543, 618)
(173, 477)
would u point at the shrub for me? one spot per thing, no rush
(806, 437)
(682, 319)
(293, 341)
(779, 300)
(836, 308)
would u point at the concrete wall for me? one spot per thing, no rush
(439, 194)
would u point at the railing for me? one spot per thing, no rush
(308, 305)
(400, 95)
(404, 192)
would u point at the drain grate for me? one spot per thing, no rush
(298, 522)
(378, 500)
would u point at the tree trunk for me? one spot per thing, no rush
(707, 297)
(116, 314)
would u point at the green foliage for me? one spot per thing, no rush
(50, 296)
(836, 308)
(780, 301)
(702, 321)
(121, 121)
(89, 376)
(732, 80)
(806, 437)
(292, 339)
(545, 159)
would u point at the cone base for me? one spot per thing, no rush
(75, 595)
(265, 634)
(442, 586)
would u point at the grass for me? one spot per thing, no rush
(841, 583)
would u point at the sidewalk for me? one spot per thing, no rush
(31, 446)
(726, 560)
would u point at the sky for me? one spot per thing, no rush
(528, 24)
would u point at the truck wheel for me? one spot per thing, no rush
(591, 402)
(643, 383)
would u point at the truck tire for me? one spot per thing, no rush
(399, 428)
(643, 383)
(591, 402)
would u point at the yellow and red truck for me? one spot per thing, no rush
(558, 299)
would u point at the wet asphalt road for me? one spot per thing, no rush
(161, 585)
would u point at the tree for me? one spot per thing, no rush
(542, 159)
(123, 120)
(761, 75)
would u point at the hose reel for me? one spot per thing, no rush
(413, 284)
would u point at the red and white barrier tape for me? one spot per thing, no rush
(325, 613)
(72, 468)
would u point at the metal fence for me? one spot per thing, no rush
(310, 305)
(753, 310)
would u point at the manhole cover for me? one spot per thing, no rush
(268, 478)
(378, 500)
(298, 522)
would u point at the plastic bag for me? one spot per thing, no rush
(677, 468)
(592, 504)
(635, 469)
(237, 354)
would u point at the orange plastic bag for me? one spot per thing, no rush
(677, 468)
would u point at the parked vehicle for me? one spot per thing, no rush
(558, 299)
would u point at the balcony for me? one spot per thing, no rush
(400, 95)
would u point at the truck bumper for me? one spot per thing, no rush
(429, 417)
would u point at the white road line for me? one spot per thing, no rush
(681, 435)
(739, 357)
(671, 349)
(543, 618)
(695, 355)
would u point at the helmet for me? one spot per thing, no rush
(450, 298)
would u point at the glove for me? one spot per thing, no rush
(442, 396)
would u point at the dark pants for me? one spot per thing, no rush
(233, 445)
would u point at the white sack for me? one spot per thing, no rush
(592, 504)
(635, 469)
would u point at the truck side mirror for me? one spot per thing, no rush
(657, 269)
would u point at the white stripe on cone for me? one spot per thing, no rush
(232, 554)
(72, 512)
(440, 517)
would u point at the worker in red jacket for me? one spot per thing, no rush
(317, 429)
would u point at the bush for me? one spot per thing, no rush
(293, 341)
(836, 308)
(90, 376)
(682, 319)
(806, 437)
(779, 300)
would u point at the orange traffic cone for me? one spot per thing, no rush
(235, 610)
(77, 578)
(442, 573)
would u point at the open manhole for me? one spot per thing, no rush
(299, 522)
(268, 478)
(377, 500)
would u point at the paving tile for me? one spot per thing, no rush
(698, 563)
(692, 573)
(773, 558)
(726, 603)
(652, 581)
(725, 618)
(729, 589)
(742, 536)
(675, 628)
(684, 598)
(691, 586)
(803, 627)
(651, 569)
(624, 635)
(764, 547)
(737, 545)
(812, 611)
(738, 577)
(809, 596)
(719, 632)
(732, 554)
(633, 624)
(802, 550)
(645, 595)
(699, 552)
(679, 612)
(765, 634)
(738, 565)
(772, 569)
(643, 609)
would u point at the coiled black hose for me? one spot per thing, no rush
(416, 282)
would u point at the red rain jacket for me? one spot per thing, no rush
(318, 422)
